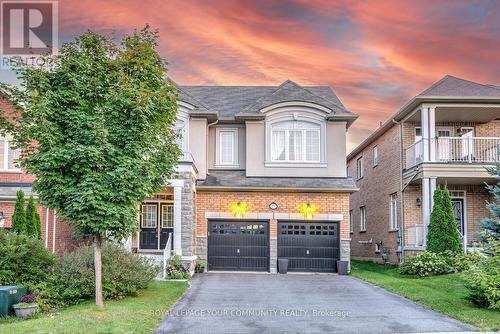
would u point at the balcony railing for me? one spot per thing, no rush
(415, 235)
(457, 149)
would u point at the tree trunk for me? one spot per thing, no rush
(98, 272)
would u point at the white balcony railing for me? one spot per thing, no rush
(415, 235)
(457, 149)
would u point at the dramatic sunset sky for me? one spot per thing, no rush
(374, 54)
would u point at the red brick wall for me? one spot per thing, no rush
(332, 203)
(376, 186)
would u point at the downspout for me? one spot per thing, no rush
(54, 233)
(401, 235)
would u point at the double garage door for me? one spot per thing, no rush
(244, 245)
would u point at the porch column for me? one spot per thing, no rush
(428, 120)
(432, 133)
(177, 185)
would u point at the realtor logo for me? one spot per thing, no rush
(28, 30)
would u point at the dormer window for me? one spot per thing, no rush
(295, 141)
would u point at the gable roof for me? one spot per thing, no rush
(448, 88)
(231, 102)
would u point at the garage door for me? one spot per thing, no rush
(309, 246)
(238, 245)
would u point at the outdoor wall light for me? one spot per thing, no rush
(239, 209)
(419, 202)
(308, 210)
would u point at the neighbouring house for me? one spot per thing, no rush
(445, 136)
(262, 177)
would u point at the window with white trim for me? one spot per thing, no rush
(149, 215)
(359, 164)
(362, 218)
(227, 147)
(295, 141)
(375, 156)
(9, 155)
(418, 133)
(394, 211)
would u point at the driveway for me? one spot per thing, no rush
(297, 303)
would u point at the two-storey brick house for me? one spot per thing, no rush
(263, 176)
(445, 136)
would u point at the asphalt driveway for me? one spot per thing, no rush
(295, 303)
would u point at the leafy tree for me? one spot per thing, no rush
(19, 223)
(443, 234)
(491, 225)
(97, 132)
(33, 223)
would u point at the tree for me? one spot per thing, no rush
(97, 132)
(442, 234)
(19, 223)
(33, 220)
(491, 225)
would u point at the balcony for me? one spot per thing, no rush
(482, 150)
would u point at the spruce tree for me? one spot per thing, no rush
(33, 219)
(19, 217)
(491, 225)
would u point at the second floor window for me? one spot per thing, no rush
(359, 164)
(350, 221)
(362, 218)
(8, 154)
(227, 141)
(295, 141)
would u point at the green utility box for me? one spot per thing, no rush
(10, 295)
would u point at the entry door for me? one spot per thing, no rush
(167, 224)
(458, 210)
(309, 246)
(445, 144)
(238, 245)
(149, 227)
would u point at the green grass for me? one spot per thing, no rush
(139, 314)
(445, 294)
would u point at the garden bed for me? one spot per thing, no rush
(139, 314)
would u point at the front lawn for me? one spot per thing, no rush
(139, 314)
(445, 294)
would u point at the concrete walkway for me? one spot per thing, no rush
(294, 303)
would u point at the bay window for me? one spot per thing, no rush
(295, 141)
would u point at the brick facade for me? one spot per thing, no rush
(376, 186)
(258, 202)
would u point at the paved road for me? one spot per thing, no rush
(294, 303)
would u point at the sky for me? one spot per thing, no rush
(375, 55)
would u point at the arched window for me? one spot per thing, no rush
(295, 141)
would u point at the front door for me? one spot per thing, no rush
(458, 210)
(156, 224)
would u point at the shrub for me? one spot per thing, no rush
(33, 224)
(200, 266)
(176, 270)
(19, 223)
(483, 283)
(24, 260)
(124, 273)
(426, 264)
(443, 234)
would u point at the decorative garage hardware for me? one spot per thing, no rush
(238, 245)
(239, 209)
(309, 246)
(308, 210)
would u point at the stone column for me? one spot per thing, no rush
(177, 185)
(273, 246)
